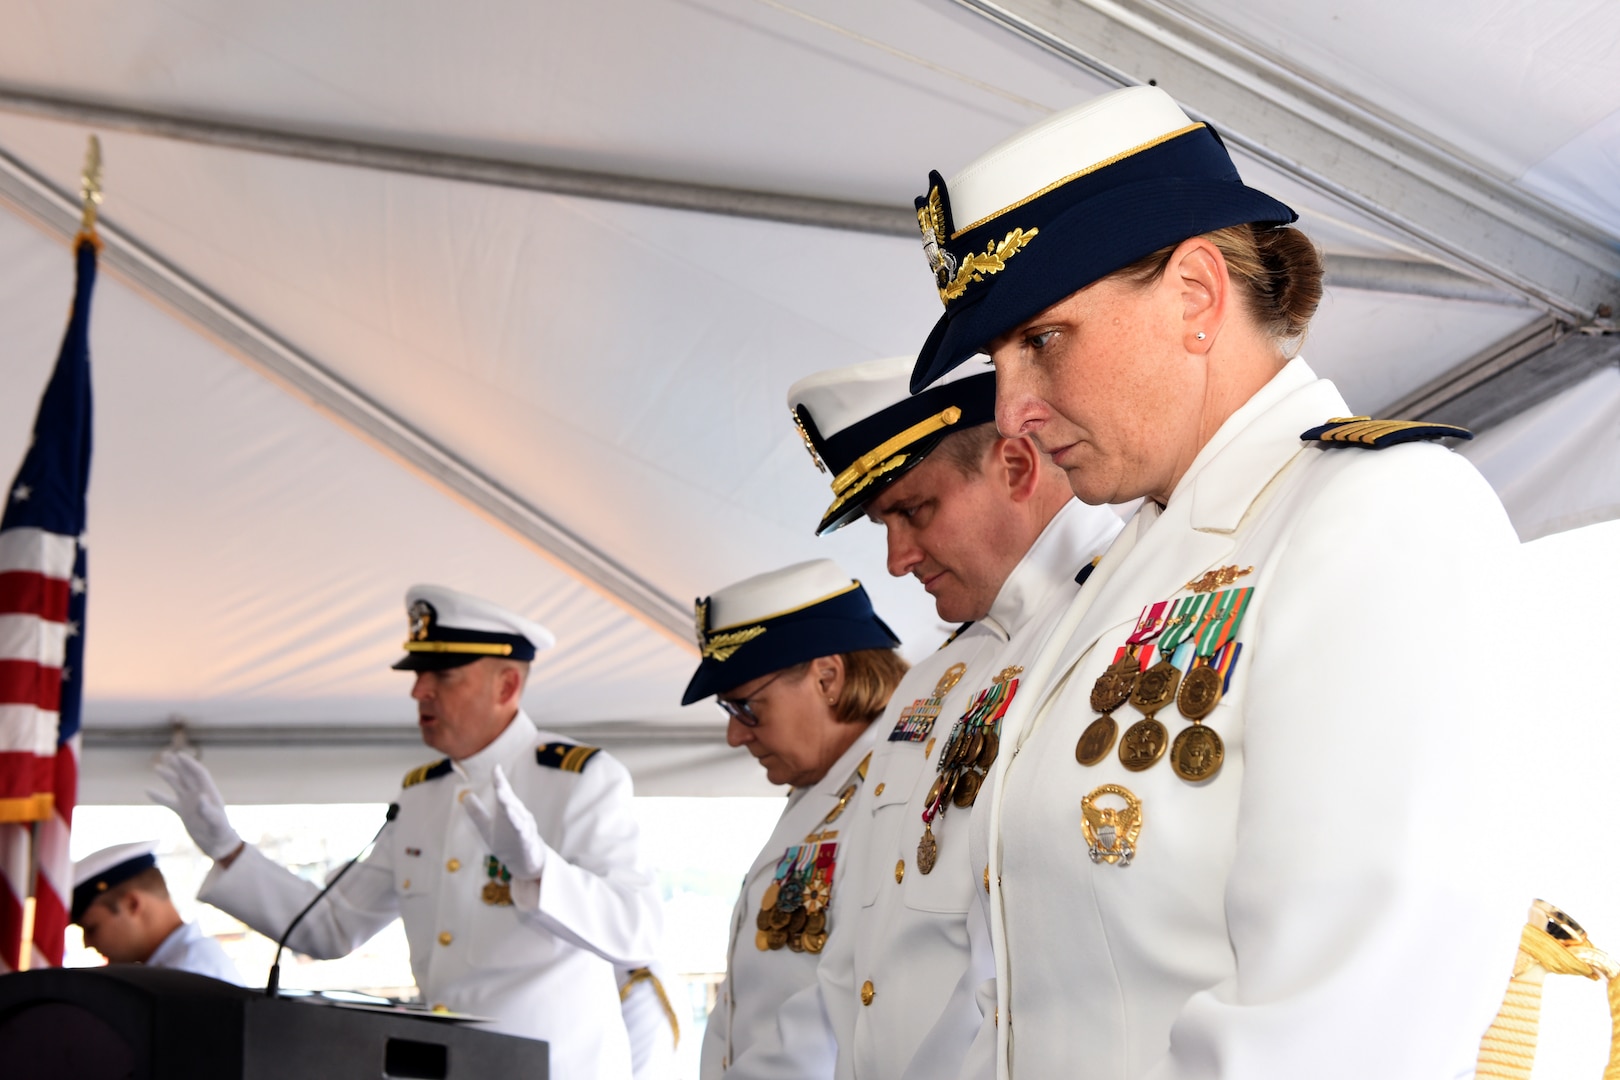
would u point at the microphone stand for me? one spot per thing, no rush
(272, 987)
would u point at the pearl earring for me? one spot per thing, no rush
(1200, 335)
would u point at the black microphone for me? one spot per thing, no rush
(272, 987)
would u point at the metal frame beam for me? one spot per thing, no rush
(1335, 144)
(1344, 271)
(171, 289)
(178, 733)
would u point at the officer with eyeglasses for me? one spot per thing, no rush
(801, 665)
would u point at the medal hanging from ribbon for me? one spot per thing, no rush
(1119, 682)
(1198, 750)
(917, 719)
(970, 750)
(497, 890)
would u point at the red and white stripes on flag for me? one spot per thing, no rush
(38, 780)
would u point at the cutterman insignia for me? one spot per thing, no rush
(1373, 434)
(430, 771)
(565, 756)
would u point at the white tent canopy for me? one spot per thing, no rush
(351, 337)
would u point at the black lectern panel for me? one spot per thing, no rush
(130, 1022)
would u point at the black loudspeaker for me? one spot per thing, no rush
(132, 1022)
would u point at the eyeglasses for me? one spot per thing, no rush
(742, 710)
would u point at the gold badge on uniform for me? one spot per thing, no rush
(1111, 831)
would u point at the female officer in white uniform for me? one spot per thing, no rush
(1245, 827)
(802, 666)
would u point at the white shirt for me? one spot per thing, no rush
(1330, 903)
(762, 1027)
(188, 949)
(911, 931)
(542, 966)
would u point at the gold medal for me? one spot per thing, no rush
(1197, 754)
(772, 891)
(1143, 744)
(796, 921)
(1157, 687)
(967, 789)
(762, 941)
(762, 921)
(927, 850)
(936, 790)
(975, 748)
(814, 943)
(816, 923)
(1200, 692)
(945, 792)
(987, 756)
(776, 938)
(1113, 687)
(1096, 740)
(796, 942)
(779, 920)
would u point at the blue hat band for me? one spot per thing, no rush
(738, 654)
(88, 893)
(1086, 229)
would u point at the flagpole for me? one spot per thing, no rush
(90, 188)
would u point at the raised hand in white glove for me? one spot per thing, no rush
(198, 802)
(509, 829)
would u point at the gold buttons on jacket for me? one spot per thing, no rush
(867, 993)
(899, 871)
(405, 884)
(986, 877)
(446, 937)
(878, 790)
(461, 796)
(453, 865)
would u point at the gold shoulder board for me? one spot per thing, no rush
(430, 771)
(565, 756)
(1372, 434)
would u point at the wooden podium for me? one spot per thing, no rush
(132, 1022)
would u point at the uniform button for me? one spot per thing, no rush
(406, 884)
(455, 864)
(461, 796)
(878, 790)
(440, 1007)
(867, 993)
(986, 877)
(446, 937)
(899, 871)
(998, 1016)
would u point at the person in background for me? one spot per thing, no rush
(513, 860)
(650, 1019)
(989, 527)
(801, 665)
(1247, 816)
(122, 903)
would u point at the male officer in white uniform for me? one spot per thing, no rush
(513, 859)
(122, 903)
(991, 530)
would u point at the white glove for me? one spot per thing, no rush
(509, 830)
(198, 802)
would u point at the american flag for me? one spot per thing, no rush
(42, 594)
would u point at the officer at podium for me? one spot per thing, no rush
(513, 859)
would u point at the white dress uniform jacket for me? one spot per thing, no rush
(762, 1027)
(189, 949)
(910, 940)
(1329, 904)
(542, 967)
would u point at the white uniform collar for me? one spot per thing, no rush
(1256, 441)
(520, 735)
(173, 947)
(1051, 562)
